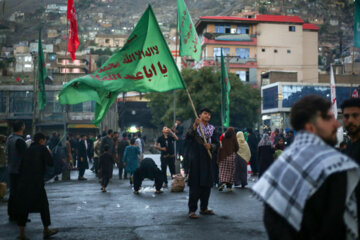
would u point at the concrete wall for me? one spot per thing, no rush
(276, 36)
(310, 56)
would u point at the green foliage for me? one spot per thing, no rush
(106, 51)
(4, 63)
(205, 89)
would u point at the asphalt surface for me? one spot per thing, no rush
(82, 212)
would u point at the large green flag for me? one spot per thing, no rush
(225, 91)
(41, 75)
(357, 24)
(144, 64)
(189, 41)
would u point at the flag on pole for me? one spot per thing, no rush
(189, 41)
(225, 91)
(357, 23)
(144, 64)
(356, 93)
(333, 92)
(41, 75)
(73, 41)
(3, 7)
(17, 79)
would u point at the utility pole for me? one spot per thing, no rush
(35, 90)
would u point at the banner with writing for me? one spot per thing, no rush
(225, 94)
(190, 44)
(144, 64)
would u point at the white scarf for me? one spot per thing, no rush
(285, 189)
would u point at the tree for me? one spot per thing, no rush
(205, 89)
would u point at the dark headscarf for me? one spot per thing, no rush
(229, 144)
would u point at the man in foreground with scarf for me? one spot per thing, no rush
(309, 191)
(200, 163)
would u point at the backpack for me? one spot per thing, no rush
(178, 183)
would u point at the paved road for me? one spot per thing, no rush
(82, 212)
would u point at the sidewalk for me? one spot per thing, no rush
(81, 211)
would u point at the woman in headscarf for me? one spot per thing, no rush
(265, 154)
(226, 159)
(242, 158)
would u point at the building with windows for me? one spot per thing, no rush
(110, 40)
(24, 63)
(278, 98)
(255, 46)
(17, 102)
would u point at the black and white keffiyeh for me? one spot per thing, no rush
(299, 172)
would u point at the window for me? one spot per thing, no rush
(107, 40)
(288, 51)
(76, 70)
(243, 30)
(52, 103)
(27, 59)
(291, 28)
(76, 107)
(242, 52)
(217, 52)
(275, 50)
(21, 102)
(243, 75)
(263, 50)
(88, 106)
(76, 62)
(65, 61)
(2, 101)
(65, 70)
(222, 28)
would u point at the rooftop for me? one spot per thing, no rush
(258, 18)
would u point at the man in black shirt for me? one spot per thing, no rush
(15, 149)
(351, 119)
(165, 144)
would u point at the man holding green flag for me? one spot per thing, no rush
(225, 91)
(41, 75)
(190, 44)
(144, 64)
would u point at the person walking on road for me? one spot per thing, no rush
(31, 194)
(165, 144)
(97, 145)
(242, 158)
(130, 159)
(253, 145)
(310, 190)
(121, 149)
(351, 119)
(226, 159)
(83, 163)
(200, 164)
(265, 154)
(106, 164)
(15, 149)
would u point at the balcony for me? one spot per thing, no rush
(234, 61)
(230, 39)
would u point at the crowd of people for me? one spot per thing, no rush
(310, 189)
